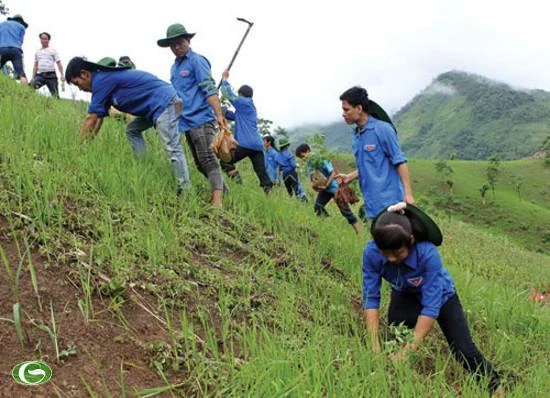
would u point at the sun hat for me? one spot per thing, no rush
(76, 64)
(424, 228)
(283, 141)
(19, 18)
(174, 31)
(107, 61)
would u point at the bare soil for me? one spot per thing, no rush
(103, 346)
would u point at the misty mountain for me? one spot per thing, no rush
(460, 115)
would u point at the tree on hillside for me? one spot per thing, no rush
(493, 171)
(280, 132)
(4, 10)
(264, 125)
(546, 148)
(317, 143)
(483, 191)
(446, 171)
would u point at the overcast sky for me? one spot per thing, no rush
(302, 54)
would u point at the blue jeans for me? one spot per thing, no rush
(15, 55)
(167, 127)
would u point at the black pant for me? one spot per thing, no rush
(405, 308)
(46, 78)
(323, 198)
(257, 160)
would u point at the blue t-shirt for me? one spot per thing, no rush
(377, 155)
(131, 91)
(421, 273)
(12, 34)
(326, 169)
(271, 165)
(246, 119)
(191, 76)
(286, 161)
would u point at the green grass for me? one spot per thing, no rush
(260, 299)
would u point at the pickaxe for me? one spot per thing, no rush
(240, 44)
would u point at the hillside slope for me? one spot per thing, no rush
(126, 290)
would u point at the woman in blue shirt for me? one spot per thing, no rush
(326, 192)
(287, 165)
(422, 293)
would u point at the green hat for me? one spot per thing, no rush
(107, 61)
(424, 228)
(283, 141)
(174, 31)
(19, 18)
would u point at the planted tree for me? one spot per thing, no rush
(445, 171)
(483, 191)
(545, 147)
(493, 170)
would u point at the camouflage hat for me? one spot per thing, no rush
(283, 141)
(174, 31)
(107, 61)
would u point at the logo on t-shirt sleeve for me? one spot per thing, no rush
(415, 281)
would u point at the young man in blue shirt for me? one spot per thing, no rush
(151, 100)
(192, 78)
(270, 156)
(381, 165)
(12, 34)
(422, 292)
(246, 133)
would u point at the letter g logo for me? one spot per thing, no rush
(31, 373)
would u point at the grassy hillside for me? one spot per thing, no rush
(518, 208)
(126, 290)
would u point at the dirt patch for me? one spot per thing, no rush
(99, 353)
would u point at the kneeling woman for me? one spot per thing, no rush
(422, 292)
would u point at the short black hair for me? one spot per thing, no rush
(271, 140)
(392, 231)
(246, 91)
(302, 148)
(356, 96)
(45, 33)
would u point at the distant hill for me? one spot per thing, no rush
(464, 116)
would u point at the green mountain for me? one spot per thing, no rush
(464, 116)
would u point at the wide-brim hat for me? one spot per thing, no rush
(424, 227)
(174, 31)
(283, 141)
(76, 64)
(19, 18)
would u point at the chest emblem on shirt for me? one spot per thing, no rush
(184, 73)
(370, 147)
(415, 281)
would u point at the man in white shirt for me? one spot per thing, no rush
(44, 66)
